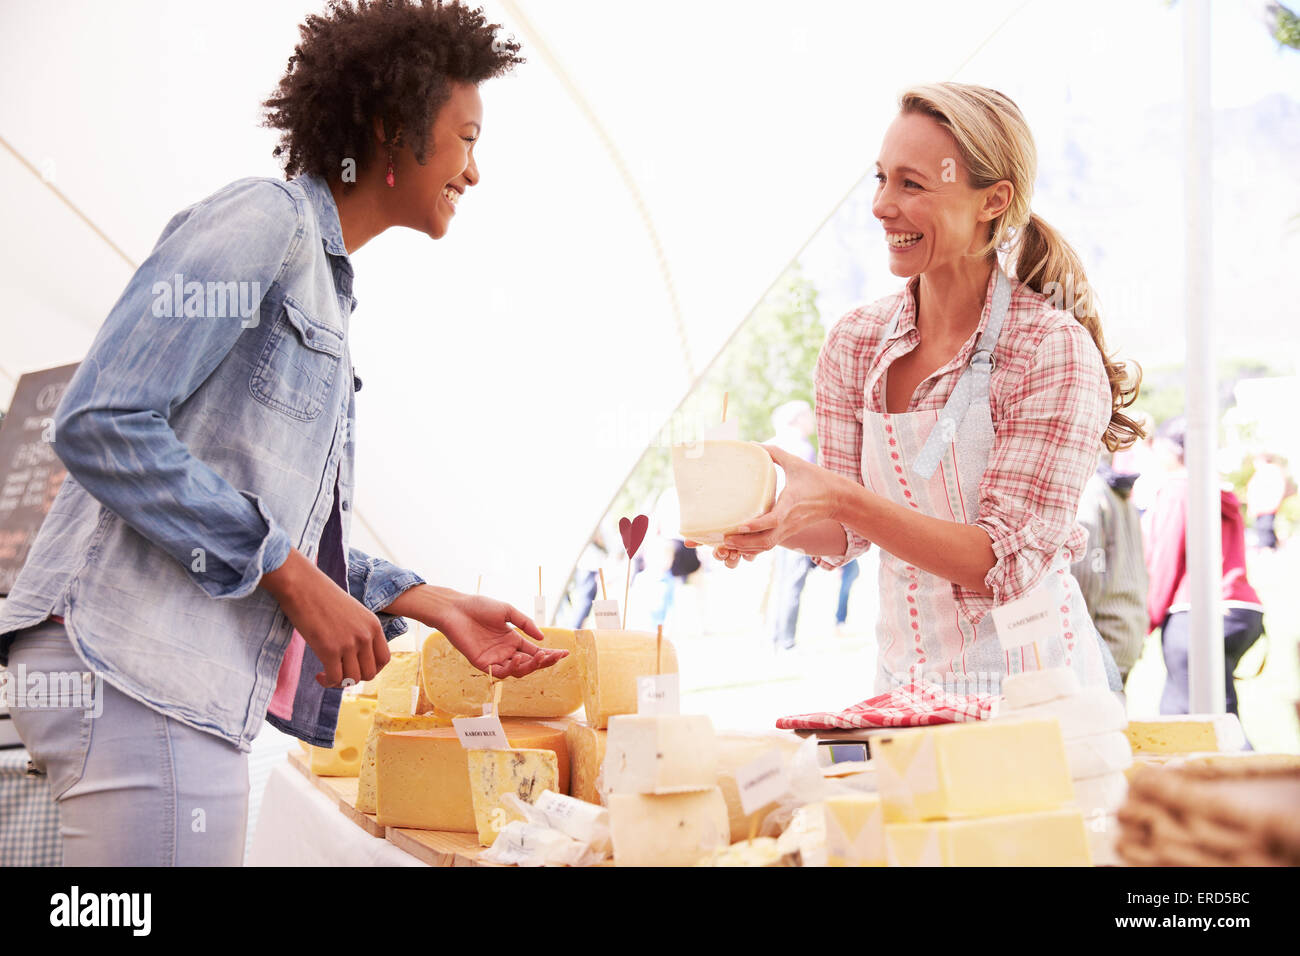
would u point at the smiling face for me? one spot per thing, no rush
(932, 217)
(430, 192)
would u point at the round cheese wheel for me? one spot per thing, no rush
(1100, 795)
(1038, 687)
(1094, 710)
(1098, 754)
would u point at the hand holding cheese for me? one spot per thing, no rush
(721, 484)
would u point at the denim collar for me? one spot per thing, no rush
(327, 214)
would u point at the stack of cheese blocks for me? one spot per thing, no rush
(1092, 723)
(989, 793)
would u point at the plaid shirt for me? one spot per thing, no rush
(1051, 404)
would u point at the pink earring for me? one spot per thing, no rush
(390, 178)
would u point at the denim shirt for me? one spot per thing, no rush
(204, 434)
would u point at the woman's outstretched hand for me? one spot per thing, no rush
(488, 633)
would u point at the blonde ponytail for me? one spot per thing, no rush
(996, 145)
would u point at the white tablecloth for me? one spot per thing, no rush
(299, 826)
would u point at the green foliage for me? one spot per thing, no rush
(1286, 26)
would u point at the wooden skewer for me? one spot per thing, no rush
(753, 828)
(725, 395)
(1037, 659)
(626, 584)
(659, 650)
(496, 698)
(603, 595)
(539, 579)
(478, 588)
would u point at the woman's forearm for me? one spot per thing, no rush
(956, 552)
(825, 539)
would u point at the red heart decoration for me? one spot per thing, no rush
(633, 533)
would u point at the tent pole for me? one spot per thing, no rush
(1204, 537)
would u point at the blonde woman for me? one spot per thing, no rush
(959, 418)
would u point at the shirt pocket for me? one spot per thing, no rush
(298, 365)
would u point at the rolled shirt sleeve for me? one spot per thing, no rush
(1048, 434)
(839, 402)
(112, 427)
(376, 583)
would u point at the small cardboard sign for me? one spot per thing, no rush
(762, 781)
(415, 699)
(481, 733)
(539, 610)
(724, 431)
(606, 613)
(658, 694)
(1031, 619)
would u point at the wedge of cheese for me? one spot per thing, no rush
(344, 758)
(721, 484)
(663, 753)
(761, 851)
(676, 829)
(1029, 688)
(495, 773)
(384, 724)
(855, 830)
(611, 661)
(395, 682)
(1093, 710)
(734, 751)
(587, 747)
(456, 686)
(976, 769)
(1046, 838)
(1186, 733)
(422, 776)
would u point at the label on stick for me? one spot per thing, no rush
(1032, 618)
(658, 694)
(481, 733)
(762, 781)
(606, 613)
(539, 610)
(724, 431)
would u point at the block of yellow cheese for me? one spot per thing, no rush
(385, 724)
(675, 829)
(660, 753)
(611, 661)
(395, 682)
(982, 768)
(1045, 838)
(1185, 733)
(422, 776)
(721, 484)
(495, 773)
(586, 758)
(344, 758)
(855, 829)
(456, 686)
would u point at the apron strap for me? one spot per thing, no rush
(971, 388)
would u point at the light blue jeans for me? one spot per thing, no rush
(134, 788)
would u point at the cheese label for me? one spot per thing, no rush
(415, 700)
(481, 733)
(539, 609)
(762, 781)
(724, 431)
(658, 694)
(1032, 618)
(606, 613)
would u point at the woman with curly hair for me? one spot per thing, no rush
(960, 418)
(196, 558)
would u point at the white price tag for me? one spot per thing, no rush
(658, 695)
(415, 699)
(724, 431)
(1033, 618)
(539, 610)
(481, 733)
(488, 709)
(606, 613)
(762, 781)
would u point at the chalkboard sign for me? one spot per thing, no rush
(30, 472)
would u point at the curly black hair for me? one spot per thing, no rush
(394, 60)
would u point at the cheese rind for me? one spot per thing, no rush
(855, 830)
(1047, 838)
(587, 747)
(1098, 755)
(1094, 710)
(387, 723)
(344, 758)
(721, 484)
(972, 769)
(1029, 688)
(422, 776)
(663, 753)
(456, 686)
(1186, 733)
(495, 773)
(611, 661)
(676, 829)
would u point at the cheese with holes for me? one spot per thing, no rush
(1093, 710)
(422, 776)
(855, 829)
(975, 769)
(385, 724)
(610, 662)
(586, 759)
(1038, 687)
(721, 484)
(1046, 838)
(1098, 755)
(735, 750)
(673, 829)
(1186, 733)
(456, 686)
(395, 682)
(495, 773)
(344, 758)
(662, 753)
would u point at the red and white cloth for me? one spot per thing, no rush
(911, 705)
